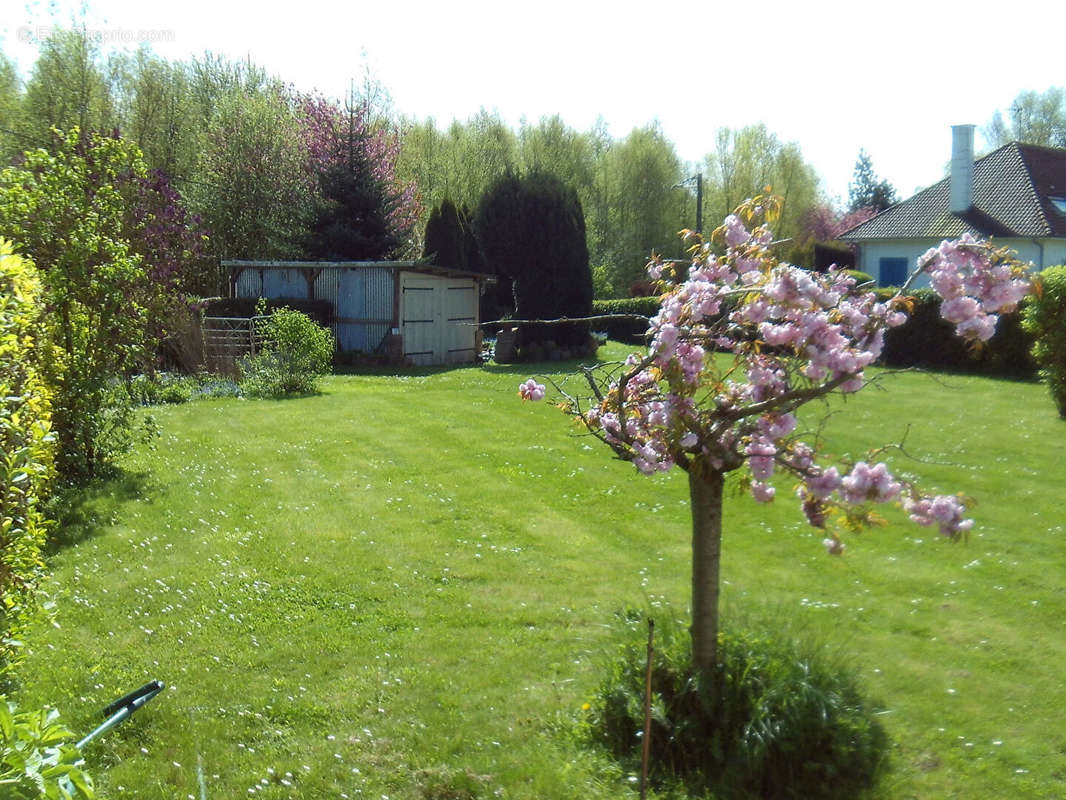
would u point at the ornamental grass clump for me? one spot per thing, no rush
(775, 717)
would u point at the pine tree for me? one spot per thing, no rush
(865, 190)
(351, 220)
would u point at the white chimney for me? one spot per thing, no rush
(961, 169)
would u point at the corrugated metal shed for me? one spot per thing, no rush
(426, 314)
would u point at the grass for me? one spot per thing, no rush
(404, 586)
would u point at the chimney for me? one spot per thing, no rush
(961, 169)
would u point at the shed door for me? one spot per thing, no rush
(439, 319)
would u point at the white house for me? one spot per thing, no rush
(1015, 195)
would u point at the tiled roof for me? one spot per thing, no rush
(1012, 187)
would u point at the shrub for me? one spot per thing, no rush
(625, 330)
(26, 473)
(67, 211)
(1044, 317)
(36, 758)
(296, 353)
(860, 276)
(776, 718)
(928, 340)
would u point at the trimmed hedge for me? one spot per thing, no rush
(625, 330)
(928, 340)
(924, 340)
(321, 311)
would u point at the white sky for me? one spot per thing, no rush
(835, 76)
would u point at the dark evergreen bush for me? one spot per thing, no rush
(531, 228)
(927, 340)
(777, 718)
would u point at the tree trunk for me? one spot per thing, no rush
(705, 498)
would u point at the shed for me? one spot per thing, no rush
(411, 310)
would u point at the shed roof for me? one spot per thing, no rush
(1014, 192)
(410, 266)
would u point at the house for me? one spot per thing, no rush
(1015, 196)
(408, 310)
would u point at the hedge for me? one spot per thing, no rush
(1044, 318)
(927, 340)
(924, 340)
(26, 471)
(321, 311)
(630, 331)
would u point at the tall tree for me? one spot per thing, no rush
(251, 186)
(156, 112)
(532, 229)
(745, 162)
(645, 207)
(1034, 118)
(10, 110)
(68, 88)
(865, 190)
(360, 210)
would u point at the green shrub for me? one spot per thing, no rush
(928, 340)
(860, 276)
(630, 331)
(776, 718)
(296, 352)
(1044, 317)
(26, 473)
(37, 761)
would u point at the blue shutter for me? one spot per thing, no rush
(893, 271)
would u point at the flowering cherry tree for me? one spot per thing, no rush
(739, 345)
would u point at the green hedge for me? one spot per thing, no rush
(26, 471)
(927, 340)
(321, 311)
(1044, 318)
(625, 330)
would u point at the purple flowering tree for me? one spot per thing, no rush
(740, 344)
(327, 130)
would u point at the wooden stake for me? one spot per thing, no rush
(646, 750)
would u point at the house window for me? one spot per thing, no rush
(893, 271)
(1059, 203)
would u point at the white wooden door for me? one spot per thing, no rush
(439, 319)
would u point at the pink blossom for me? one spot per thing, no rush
(531, 390)
(762, 492)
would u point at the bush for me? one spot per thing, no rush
(26, 473)
(860, 277)
(927, 340)
(296, 353)
(625, 330)
(776, 718)
(1044, 318)
(36, 758)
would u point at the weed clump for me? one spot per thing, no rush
(775, 718)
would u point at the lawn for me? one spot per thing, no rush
(406, 585)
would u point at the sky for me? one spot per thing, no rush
(834, 77)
